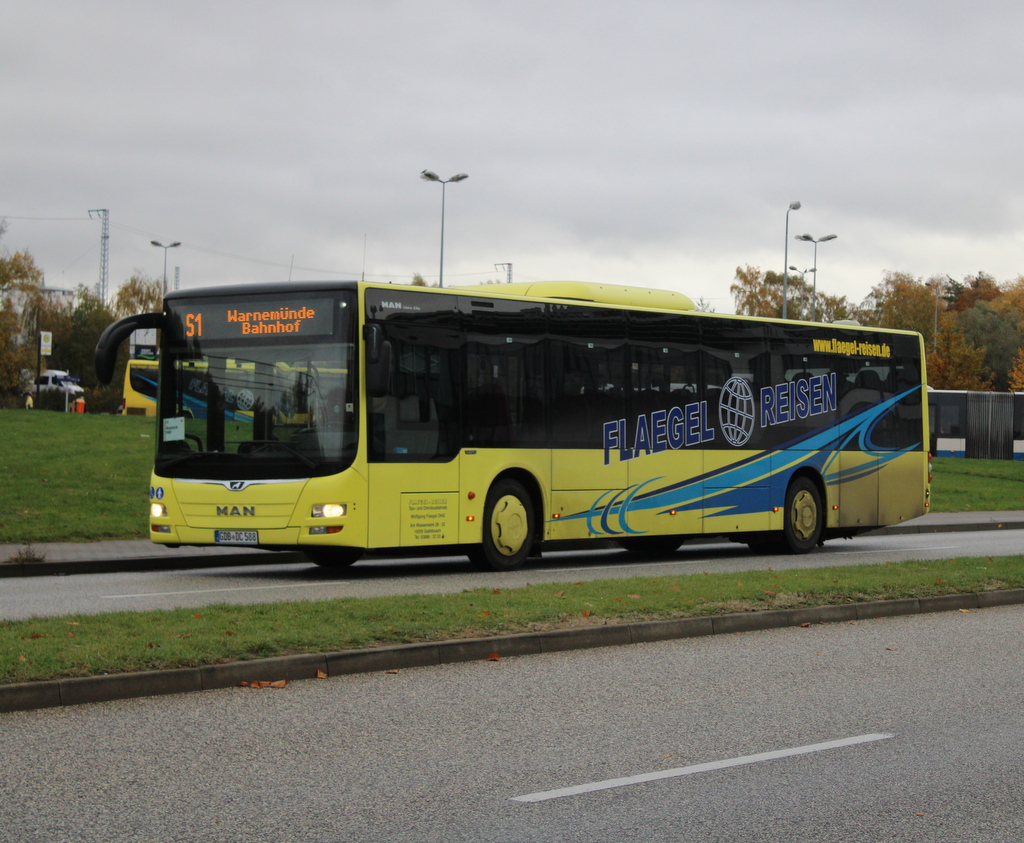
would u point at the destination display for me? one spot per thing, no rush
(301, 317)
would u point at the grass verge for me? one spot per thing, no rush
(122, 642)
(977, 485)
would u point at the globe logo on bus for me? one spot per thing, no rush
(245, 400)
(736, 411)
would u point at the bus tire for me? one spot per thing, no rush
(650, 545)
(507, 530)
(803, 516)
(333, 557)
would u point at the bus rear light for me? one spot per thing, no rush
(157, 510)
(329, 510)
(323, 531)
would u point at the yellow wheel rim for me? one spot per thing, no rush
(804, 515)
(509, 525)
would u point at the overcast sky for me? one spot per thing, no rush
(649, 143)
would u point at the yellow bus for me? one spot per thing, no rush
(139, 388)
(340, 417)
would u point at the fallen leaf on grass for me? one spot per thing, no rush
(586, 613)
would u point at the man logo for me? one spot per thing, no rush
(236, 510)
(736, 411)
(236, 485)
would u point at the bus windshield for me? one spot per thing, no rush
(266, 407)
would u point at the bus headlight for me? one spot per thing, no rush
(329, 510)
(157, 510)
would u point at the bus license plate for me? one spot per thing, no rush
(236, 537)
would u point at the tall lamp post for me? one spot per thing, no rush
(160, 245)
(938, 285)
(793, 206)
(427, 175)
(803, 277)
(814, 294)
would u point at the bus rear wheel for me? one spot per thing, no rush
(333, 557)
(803, 516)
(507, 530)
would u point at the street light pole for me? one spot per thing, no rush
(937, 284)
(803, 277)
(814, 295)
(793, 206)
(427, 175)
(160, 245)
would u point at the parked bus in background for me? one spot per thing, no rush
(140, 388)
(976, 425)
(502, 420)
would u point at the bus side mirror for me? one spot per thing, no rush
(105, 356)
(378, 361)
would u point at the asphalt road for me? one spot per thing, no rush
(446, 753)
(93, 593)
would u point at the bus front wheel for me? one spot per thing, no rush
(804, 520)
(507, 530)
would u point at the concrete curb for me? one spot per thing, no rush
(959, 527)
(63, 692)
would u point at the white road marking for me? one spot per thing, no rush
(215, 590)
(699, 768)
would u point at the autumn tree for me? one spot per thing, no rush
(974, 289)
(900, 301)
(1015, 377)
(998, 335)
(759, 293)
(20, 279)
(139, 294)
(956, 364)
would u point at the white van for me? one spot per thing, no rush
(57, 379)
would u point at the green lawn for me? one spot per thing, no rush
(70, 477)
(977, 485)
